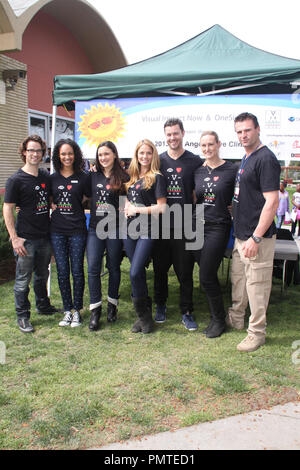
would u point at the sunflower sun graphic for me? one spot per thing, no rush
(101, 123)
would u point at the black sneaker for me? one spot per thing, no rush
(47, 311)
(160, 314)
(25, 325)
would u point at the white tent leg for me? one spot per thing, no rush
(54, 109)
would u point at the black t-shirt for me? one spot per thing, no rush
(68, 218)
(139, 196)
(102, 198)
(179, 174)
(31, 194)
(214, 188)
(261, 173)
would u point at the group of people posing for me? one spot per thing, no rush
(126, 206)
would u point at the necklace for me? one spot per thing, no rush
(210, 169)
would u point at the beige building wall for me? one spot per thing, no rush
(13, 120)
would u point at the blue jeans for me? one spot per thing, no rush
(69, 250)
(139, 253)
(94, 251)
(280, 220)
(36, 261)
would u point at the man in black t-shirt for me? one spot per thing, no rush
(178, 166)
(28, 189)
(254, 207)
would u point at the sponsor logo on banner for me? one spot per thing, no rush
(273, 118)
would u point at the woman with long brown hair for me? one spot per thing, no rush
(106, 184)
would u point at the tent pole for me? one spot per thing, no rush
(54, 109)
(214, 91)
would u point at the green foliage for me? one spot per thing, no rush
(5, 246)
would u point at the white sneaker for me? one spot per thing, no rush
(76, 321)
(67, 320)
(251, 343)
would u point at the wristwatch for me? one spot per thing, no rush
(256, 239)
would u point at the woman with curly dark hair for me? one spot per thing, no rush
(68, 226)
(107, 184)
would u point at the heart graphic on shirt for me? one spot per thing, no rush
(69, 186)
(43, 185)
(216, 178)
(178, 170)
(108, 186)
(137, 186)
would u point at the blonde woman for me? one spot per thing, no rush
(146, 196)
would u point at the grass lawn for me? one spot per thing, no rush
(69, 388)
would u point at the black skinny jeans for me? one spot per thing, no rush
(165, 254)
(209, 258)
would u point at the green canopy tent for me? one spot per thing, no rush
(214, 61)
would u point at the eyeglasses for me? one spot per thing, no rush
(39, 151)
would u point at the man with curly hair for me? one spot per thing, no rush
(28, 189)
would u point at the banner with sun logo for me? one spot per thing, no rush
(127, 121)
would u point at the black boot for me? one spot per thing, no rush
(95, 317)
(143, 308)
(147, 322)
(217, 324)
(111, 312)
(137, 327)
(208, 326)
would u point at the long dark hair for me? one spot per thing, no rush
(118, 176)
(78, 157)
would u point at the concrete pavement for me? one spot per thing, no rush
(277, 428)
